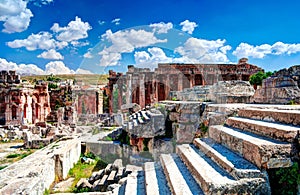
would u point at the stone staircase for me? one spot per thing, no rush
(232, 160)
(146, 123)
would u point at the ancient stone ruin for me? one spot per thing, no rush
(181, 129)
(281, 88)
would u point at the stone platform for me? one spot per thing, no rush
(36, 172)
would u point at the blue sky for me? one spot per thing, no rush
(67, 36)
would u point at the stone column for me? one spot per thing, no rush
(179, 87)
(167, 86)
(203, 80)
(192, 80)
(120, 93)
(142, 90)
(128, 89)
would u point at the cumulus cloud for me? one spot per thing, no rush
(74, 31)
(260, 51)
(83, 71)
(58, 67)
(205, 51)
(15, 15)
(188, 26)
(23, 69)
(42, 40)
(151, 58)
(116, 21)
(51, 54)
(161, 27)
(124, 42)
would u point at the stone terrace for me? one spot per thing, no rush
(35, 173)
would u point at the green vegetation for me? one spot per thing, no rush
(3, 167)
(92, 79)
(145, 143)
(84, 170)
(13, 155)
(47, 192)
(285, 180)
(52, 86)
(257, 78)
(174, 99)
(292, 102)
(124, 138)
(11, 158)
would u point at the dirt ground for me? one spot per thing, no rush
(12, 152)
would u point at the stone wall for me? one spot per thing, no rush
(185, 119)
(221, 92)
(105, 149)
(146, 87)
(36, 172)
(277, 90)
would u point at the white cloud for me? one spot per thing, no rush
(124, 42)
(74, 31)
(42, 40)
(83, 71)
(260, 51)
(15, 15)
(161, 27)
(39, 3)
(5, 65)
(27, 69)
(88, 55)
(116, 21)
(188, 26)
(51, 54)
(151, 58)
(205, 51)
(58, 67)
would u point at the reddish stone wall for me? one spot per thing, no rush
(146, 87)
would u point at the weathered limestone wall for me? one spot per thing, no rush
(65, 156)
(35, 173)
(185, 117)
(104, 148)
(277, 90)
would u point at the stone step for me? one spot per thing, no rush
(211, 178)
(135, 183)
(140, 120)
(281, 132)
(131, 184)
(120, 172)
(155, 179)
(233, 163)
(291, 117)
(144, 115)
(112, 176)
(130, 125)
(108, 168)
(103, 180)
(176, 181)
(148, 113)
(151, 182)
(135, 123)
(261, 151)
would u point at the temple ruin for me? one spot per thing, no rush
(145, 87)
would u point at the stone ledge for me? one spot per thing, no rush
(258, 150)
(276, 131)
